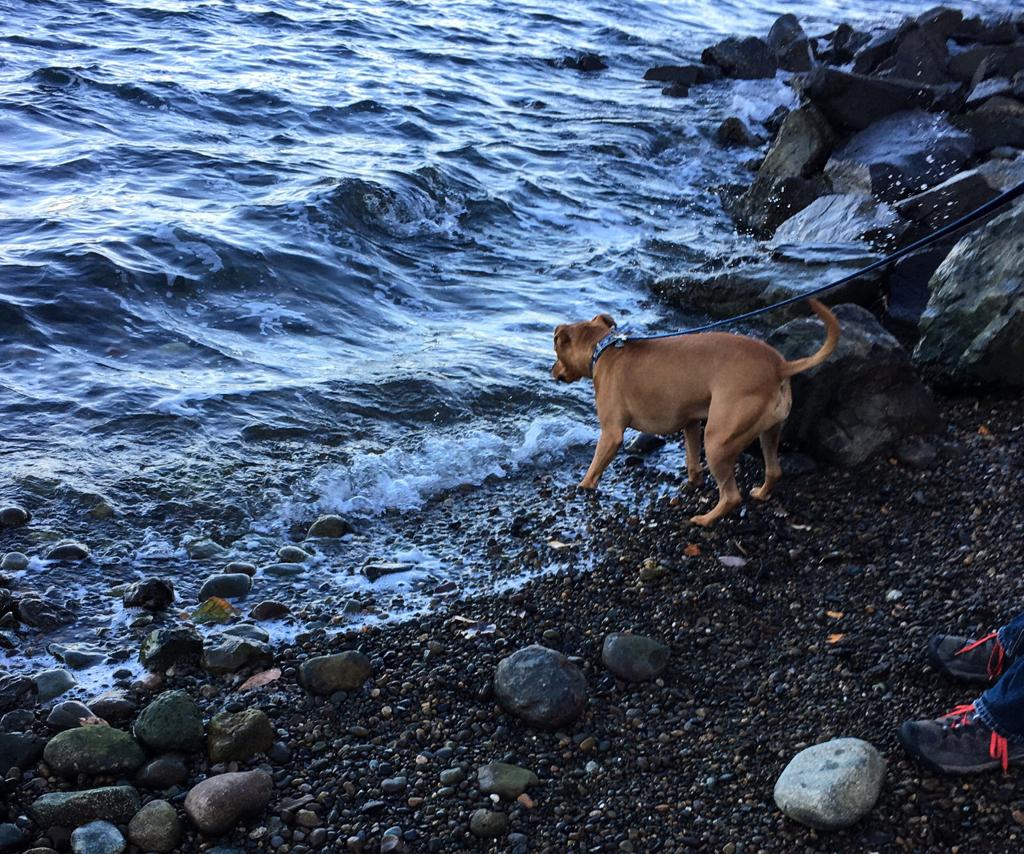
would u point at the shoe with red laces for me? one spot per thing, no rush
(967, 660)
(958, 743)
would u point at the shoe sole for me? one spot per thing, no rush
(932, 765)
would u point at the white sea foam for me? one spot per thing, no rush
(755, 100)
(404, 478)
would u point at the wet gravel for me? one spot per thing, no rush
(797, 621)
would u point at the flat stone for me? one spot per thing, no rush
(228, 654)
(113, 706)
(344, 671)
(97, 837)
(505, 780)
(330, 526)
(216, 804)
(78, 656)
(832, 785)
(92, 750)
(284, 570)
(378, 569)
(634, 658)
(116, 804)
(170, 722)
(205, 549)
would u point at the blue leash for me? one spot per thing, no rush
(618, 338)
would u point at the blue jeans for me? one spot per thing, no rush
(1001, 707)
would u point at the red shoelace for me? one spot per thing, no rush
(994, 667)
(997, 746)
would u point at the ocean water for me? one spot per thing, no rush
(263, 260)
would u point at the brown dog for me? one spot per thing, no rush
(739, 385)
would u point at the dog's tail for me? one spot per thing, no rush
(831, 340)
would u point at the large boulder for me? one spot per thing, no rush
(788, 41)
(940, 205)
(973, 326)
(855, 101)
(171, 722)
(899, 156)
(116, 804)
(787, 179)
(343, 671)
(634, 658)
(747, 58)
(217, 803)
(540, 687)
(832, 785)
(907, 286)
(840, 219)
(92, 750)
(920, 57)
(687, 75)
(863, 399)
(164, 647)
(996, 123)
(235, 736)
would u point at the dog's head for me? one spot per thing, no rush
(574, 347)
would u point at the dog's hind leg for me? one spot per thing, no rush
(694, 473)
(772, 469)
(722, 462)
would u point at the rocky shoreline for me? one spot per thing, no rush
(647, 694)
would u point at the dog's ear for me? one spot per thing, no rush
(606, 319)
(561, 335)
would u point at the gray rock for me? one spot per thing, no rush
(44, 615)
(97, 837)
(330, 526)
(747, 59)
(996, 123)
(164, 647)
(488, 824)
(217, 803)
(831, 785)
(226, 653)
(452, 776)
(150, 594)
(292, 554)
(838, 220)
(973, 326)
(19, 750)
(68, 715)
(634, 658)
(505, 780)
(241, 566)
(991, 60)
(52, 683)
(788, 41)
(20, 720)
(15, 691)
(11, 837)
(945, 202)
(13, 516)
(78, 656)
(205, 549)
(378, 569)
(920, 57)
(940, 21)
(155, 827)
(734, 131)
(113, 706)
(344, 671)
(92, 750)
(14, 562)
(541, 687)
(247, 631)
(116, 804)
(899, 156)
(269, 610)
(687, 75)
(855, 101)
(234, 585)
(908, 286)
(864, 399)
(163, 772)
(394, 785)
(171, 722)
(880, 46)
(68, 551)
(284, 570)
(236, 736)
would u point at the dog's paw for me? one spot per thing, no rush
(705, 521)
(583, 486)
(760, 493)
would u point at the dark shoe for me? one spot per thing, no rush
(980, 661)
(958, 743)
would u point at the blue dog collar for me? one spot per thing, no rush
(616, 338)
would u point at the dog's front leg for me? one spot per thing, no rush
(607, 447)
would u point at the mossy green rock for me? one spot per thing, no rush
(163, 647)
(343, 671)
(171, 722)
(92, 750)
(505, 780)
(237, 736)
